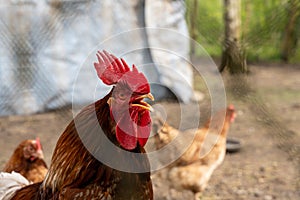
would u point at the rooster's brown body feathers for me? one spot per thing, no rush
(75, 172)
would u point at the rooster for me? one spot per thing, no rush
(194, 168)
(28, 160)
(122, 118)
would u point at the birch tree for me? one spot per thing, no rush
(289, 41)
(232, 55)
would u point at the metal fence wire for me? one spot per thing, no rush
(23, 36)
(31, 31)
(42, 43)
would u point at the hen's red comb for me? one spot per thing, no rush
(109, 68)
(38, 143)
(232, 111)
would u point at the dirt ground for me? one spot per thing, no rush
(268, 115)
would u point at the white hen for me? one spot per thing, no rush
(10, 183)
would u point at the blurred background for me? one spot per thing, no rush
(47, 50)
(268, 31)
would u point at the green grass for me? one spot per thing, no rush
(263, 53)
(263, 23)
(277, 96)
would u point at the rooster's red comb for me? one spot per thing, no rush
(111, 70)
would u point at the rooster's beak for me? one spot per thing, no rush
(143, 104)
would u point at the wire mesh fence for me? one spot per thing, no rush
(28, 28)
(25, 33)
(263, 28)
(44, 43)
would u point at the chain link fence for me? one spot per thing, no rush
(45, 44)
(263, 28)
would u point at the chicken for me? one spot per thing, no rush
(101, 155)
(165, 133)
(9, 183)
(194, 168)
(28, 160)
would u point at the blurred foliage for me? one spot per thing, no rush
(263, 25)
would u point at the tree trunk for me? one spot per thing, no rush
(232, 56)
(289, 41)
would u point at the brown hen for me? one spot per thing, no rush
(194, 168)
(28, 160)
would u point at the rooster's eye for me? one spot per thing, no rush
(122, 96)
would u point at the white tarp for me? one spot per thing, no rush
(47, 49)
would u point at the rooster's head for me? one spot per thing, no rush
(127, 108)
